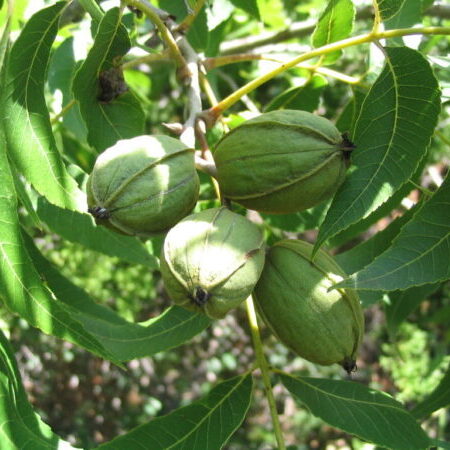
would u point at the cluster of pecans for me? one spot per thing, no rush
(279, 162)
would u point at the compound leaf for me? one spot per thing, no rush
(371, 415)
(391, 135)
(125, 340)
(121, 116)
(20, 427)
(31, 144)
(419, 254)
(205, 424)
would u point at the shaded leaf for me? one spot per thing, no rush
(403, 303)
(205, 424)
(389, 8)
(77, 227)
(20, 427)
(125, 340)
(21, 288)
(27, 124)
(392, 132)
(408, 14)
(249, 6)
(371, 415)
(348, 116)
(306, 97)
(439, 398)
(419, 254)
(440, 444)
(198, 33)
(298, 222)
(122, 116)
(363, 254)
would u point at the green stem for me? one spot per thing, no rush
(377, 21)
(187, 21)
(147, 59)
(263, 366)
(422, 189)
(93, 9)
(442, 137)
(219, 61)
(164, 32)
(63, 111)
(229, 101)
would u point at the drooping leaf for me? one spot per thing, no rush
(389, 8)
(249, 6)
(24, 113)
(419, 254)
(20, 426)
(125, 340)
(371, 415)
(335, 23)
(21, 288)
(439, 398)
(403, 303)
(306, 97)
(119, 114)
(77, 227)
(205, 424)
(392, 133)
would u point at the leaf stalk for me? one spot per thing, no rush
(264, 367)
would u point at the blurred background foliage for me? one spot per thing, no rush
(72, 389)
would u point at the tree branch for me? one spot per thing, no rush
(303, 29)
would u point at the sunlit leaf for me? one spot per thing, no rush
(20, 427)
(119, 115)
(419, 254)
(335, 23)
(384, 210)
(61, 71)
(125, 340)
(371, 415)
(393, 130)
(205, 424)
(24, 113)
(22, 289)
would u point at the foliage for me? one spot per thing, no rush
(77, 76)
